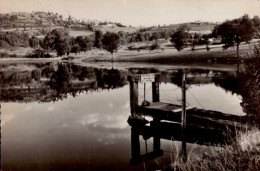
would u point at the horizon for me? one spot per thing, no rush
(140, 13)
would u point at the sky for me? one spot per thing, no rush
(140, 12)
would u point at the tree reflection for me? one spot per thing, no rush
(247, 84)
(52, 82)
(69, 79)
(249, 80)
(61, 80)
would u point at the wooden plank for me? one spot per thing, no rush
(194, 134)
(163, 106)
(179, 110)
(164, 111)
(146, 157)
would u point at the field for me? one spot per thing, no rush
(168, 54)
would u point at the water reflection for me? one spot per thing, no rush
(54, 82)
(86, 128)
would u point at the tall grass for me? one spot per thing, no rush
(242, 155)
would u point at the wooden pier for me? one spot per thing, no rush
(178, 122)
(172, 112)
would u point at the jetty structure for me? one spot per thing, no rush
(174, 121)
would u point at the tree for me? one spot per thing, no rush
(155, 45)
(13, 17)
(88, 43)
(256, 22)
(122, 36)
(111, 42)
(98, 38)
(140, 37)
(195, 39)
(155, 36)
(179, 38)
(58, 40)
(147, 36)
(34, 42)
(81, 42)
(206, 37)
(236, 31)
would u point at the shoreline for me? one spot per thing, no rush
(169, 55)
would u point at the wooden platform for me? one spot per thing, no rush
(195, 117)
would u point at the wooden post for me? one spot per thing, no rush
(155, 92)
(135, 145)
(144, 91)
(183, 115)
(156, 138)
(156, 98)
(133, 96)
(156, 144)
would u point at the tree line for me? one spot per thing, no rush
(231, 33)
(59, 40)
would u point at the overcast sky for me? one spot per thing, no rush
(140, 12)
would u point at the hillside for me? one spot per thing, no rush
(197, 26)
(39, 23)
(18, 31)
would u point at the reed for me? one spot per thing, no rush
(243, 154)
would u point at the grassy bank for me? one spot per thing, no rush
(243, 154)
(168, 55)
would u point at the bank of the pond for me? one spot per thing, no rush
(169, 54)
(242, 154)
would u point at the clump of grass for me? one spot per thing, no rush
(243, 154)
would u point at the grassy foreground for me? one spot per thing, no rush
(243, 154)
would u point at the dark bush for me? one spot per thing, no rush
(4, 55)
(38, 53)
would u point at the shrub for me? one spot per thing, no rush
(242, 154)
(255, 53)
(38, 53)
(4, 55)
(120, 25)
(14, 39)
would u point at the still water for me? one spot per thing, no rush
(79, 121)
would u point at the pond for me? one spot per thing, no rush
(70, 117)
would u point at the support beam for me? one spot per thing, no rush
(155, 92)
(183, 116)
(133, 97)
(135, 145)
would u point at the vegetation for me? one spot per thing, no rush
(155, 45)
(57, 40)
(242, 154)
(39, 31)
(38, 53)
(195, 39)
(179, 38)
(13, 39)
(236, 31)
(81, 44)
(111, 42)
(98, 38)
(34, 42)
(256, 22)
(205, 38)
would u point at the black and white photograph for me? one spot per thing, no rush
(138, 85)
